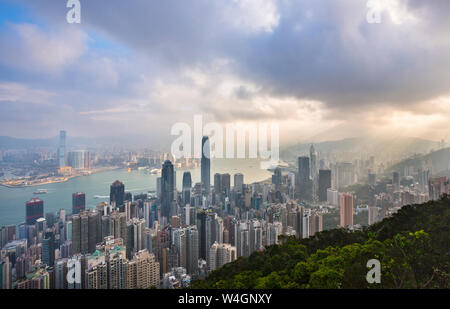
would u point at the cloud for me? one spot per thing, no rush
(29, 48)
(314, 64)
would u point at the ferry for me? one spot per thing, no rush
(40, 191)
(101, 196)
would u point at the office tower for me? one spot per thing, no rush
(303, 170)
(204, 230)
(373, 215)
(128, 197)
(62, 149)
(344, 175)
(324, 184)
(167, 189)
(142, 271)
(205, 165)
(34, 210)
(48, 249)
(78, 202)
(226, 183)
(304, 184)
(372, 179)
(276, 178)
(299, 222)
(396, 181)
(187, 184)
(117, 195)
(217, 183)
(314, 172)
(238, 182)
(346, 211)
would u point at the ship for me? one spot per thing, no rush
(101, 196)
(40, 191)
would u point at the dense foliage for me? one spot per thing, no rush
(413, 247)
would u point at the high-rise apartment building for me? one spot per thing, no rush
(346, 210)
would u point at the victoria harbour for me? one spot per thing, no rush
(96, 187)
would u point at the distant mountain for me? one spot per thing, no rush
(439, 160)
(396, 147)
(7, 142)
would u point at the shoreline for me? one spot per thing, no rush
(61, 180)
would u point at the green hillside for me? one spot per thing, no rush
(413, 247)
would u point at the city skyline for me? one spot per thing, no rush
(228, 145)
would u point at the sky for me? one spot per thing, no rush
(133, 69)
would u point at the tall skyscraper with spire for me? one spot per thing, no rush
(206, 165)
(62, 149)
(167, 188)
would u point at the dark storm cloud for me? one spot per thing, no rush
(322, 50)
(315, 50)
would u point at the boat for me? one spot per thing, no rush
(40, 191)
(101, 196)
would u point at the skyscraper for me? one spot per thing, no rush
(238, 182)
(117, 194)
(187, 184)
(78, 202)
(373, 215)
(304, 183)
(303, 170)
(313, 171)
(346, 210)
(217, 183)
(62, 149)
(206, 165)
(396, 181)
(34, 210)
(48, 249)
(167, 188)
(324, 184)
